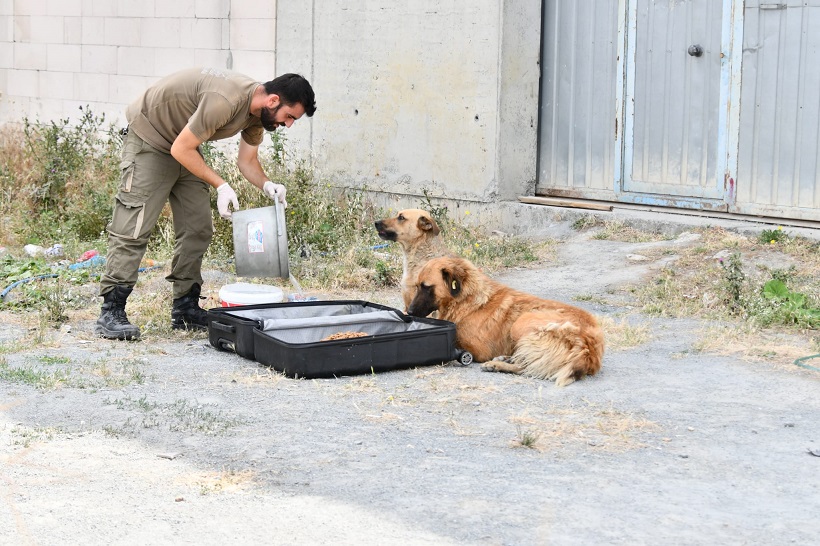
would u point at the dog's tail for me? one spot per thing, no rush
(560, 351)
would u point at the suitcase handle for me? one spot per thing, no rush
(216, 325)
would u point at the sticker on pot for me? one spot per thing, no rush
(255, 237)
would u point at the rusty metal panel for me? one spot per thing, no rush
(578, 98)
(779, 146)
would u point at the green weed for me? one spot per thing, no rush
(179, 416)
(733, 278)
(32, 376)
(773, 236)
(526, 438)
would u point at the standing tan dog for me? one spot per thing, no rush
(508, 330)
(417, 234)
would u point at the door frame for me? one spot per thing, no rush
(731, 51)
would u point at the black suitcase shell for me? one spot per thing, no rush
(292, 345)
(231, 328)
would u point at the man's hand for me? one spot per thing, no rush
(276, 191)
(226, 196)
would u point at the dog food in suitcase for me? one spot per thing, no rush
(333, 338)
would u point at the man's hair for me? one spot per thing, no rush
(292, 89)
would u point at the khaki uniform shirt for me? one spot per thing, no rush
(214, 102)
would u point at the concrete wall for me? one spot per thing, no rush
(428, 95)
(433, 95)
(58, 55)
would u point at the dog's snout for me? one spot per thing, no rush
(379, 224)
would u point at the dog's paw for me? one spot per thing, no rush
(488, 367)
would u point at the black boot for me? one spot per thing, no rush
(186, 314)
(113, 322)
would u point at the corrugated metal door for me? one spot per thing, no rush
(577, 148)
(779, 157)
(673, 99)
(639, 101)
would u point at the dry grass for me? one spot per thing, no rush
(223, 481)
(259, 376)
(755, 345)
(618, 231)
(623, 335)
(605, 428)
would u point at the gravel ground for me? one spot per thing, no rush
(171, 441)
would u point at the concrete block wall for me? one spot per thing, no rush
(58, 55)
(431, 95)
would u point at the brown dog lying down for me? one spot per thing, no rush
(508, 330)
(417, 234)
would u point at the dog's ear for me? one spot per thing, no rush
(428, 224)
(452, 280)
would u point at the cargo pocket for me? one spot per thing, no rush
(129, 215)
(127, 178)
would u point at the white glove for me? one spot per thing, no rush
(226, 196)
(275, 191)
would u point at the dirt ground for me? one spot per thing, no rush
(171, 441)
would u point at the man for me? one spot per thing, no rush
(161, 163)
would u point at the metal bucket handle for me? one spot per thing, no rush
(281, 232)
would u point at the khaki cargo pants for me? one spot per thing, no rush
(150, 178)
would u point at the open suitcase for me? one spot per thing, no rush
(293, 337)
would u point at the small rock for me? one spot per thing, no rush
(170, 456)
(179, 499)
(33, 250)
(788, 425)
(688, 237)
(690, 429)
(722, 254)
(636, 258)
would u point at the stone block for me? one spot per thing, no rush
(56, 85)
(23, 83)
(125, 89)
(93, 31)
(91, 87)
(30, 7)
(65, 8)
(253, 34)
(213, 58)
(135, 61)
(168, 60)
(64, 57)
(214, 9)
(161, 32)
(256, 64)
(99, 59)
(73, 30)
(30, 56)
(177, 8)
(252, 9)
(134, 8)
(123, 31)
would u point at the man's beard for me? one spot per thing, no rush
(269, 118)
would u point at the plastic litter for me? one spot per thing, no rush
(87, 255)
(91, 262)
(299, 296)
(55, 251)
